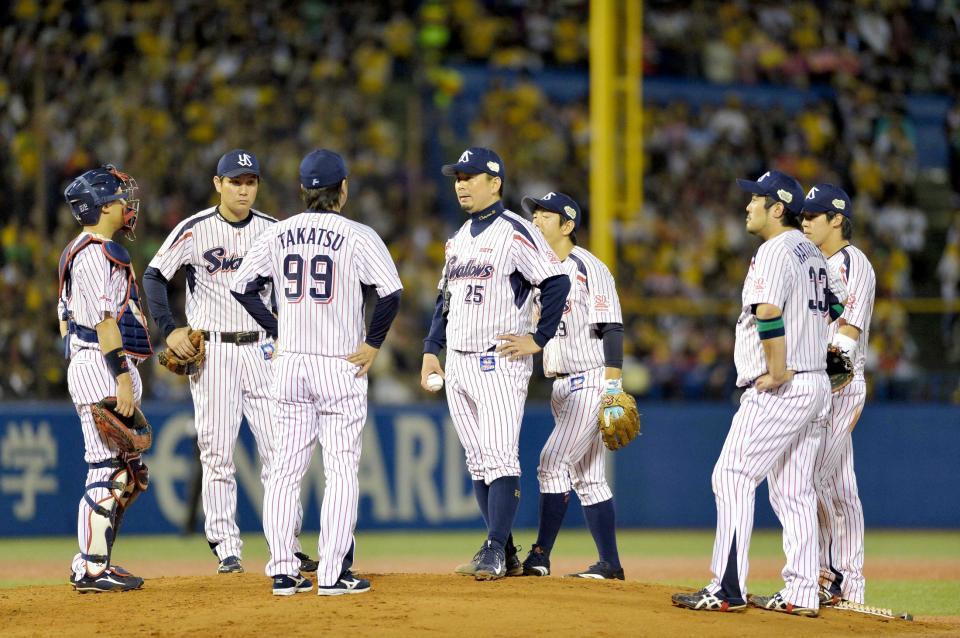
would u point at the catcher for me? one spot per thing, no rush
(589, 406)
(105, 338)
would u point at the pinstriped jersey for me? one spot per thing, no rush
(593, 300)
(789, 272)
(97, 289)
(856, 272)
(320, 264)
(211, 249)
(490, 278)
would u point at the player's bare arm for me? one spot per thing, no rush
(179, 342)
(108, 334)
(775, 352)
(516, 346)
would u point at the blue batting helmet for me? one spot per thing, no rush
(96, 188)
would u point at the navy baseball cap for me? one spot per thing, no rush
(322, 168)
(238, 162)
(780, 186)
(554, 202)
(476, 160)
(827, 198)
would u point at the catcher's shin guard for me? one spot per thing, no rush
(125, 483)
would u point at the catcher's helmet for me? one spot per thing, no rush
(87, 194)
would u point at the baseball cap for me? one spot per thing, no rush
(780, 186)
(555, 203)
(827, 198)
(322, 168)
(476, 160)
(238, 162)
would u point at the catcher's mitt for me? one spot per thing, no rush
(619, 420)
(190, 365)
(839, 368)
(130, 435)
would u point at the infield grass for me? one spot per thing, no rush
(925, 597)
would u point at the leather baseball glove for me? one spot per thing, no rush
(190, 365)
(619, 420)
(130, 435)
(839, 368)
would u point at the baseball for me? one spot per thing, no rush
(434, 382)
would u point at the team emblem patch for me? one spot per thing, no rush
(839, 204)
(577, 383)
(601, 303)
(488, 363)
(785, 196)
(268, 350)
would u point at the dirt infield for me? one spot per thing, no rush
(408, 605)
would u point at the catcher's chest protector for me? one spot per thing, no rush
(132, 320)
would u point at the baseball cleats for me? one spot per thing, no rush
(230, 565)
(599, 571)
(777, 603)
(284, 585)
(537, 562)
(112, 579)
(307, 564)
(468, 569)
(514, 566)
(828, 598)
(346, 584)
(705, 601)
(491, 562)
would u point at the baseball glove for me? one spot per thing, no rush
(130, 435)
(619, 421)
(839, 368)
(190, 365)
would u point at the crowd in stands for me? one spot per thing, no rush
(164, 88)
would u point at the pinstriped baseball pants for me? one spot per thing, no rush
(774, 435)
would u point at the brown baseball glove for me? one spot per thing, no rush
(839, 368)
(130, 435)
(619, 420)
(190, 365)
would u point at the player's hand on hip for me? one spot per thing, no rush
(363, 357)
(431, 365)
(516, 346)
(125, 394)
(179, 342)
(767, 383)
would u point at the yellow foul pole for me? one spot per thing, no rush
(602, 127)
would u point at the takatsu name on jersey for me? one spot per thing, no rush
(315, 236)
(470, 270)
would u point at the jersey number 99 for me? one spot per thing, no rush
(319, 278)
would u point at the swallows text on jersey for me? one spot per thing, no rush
(314, 236)
(217, 260)
(470, 270)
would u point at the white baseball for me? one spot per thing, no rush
(434, 382)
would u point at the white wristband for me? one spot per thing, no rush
(845, 343)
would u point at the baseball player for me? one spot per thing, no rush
(234, 381)
(106, 337)
(827, 214)
(780, 355)
(484, 318)
(321, 264)
(585, 360)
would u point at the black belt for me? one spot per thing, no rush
(236, 338)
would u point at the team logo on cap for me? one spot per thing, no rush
(548, 196)
(493, 166)
(764, 176)
(465, 157)
(570, 211)
(839, 204)
(316, 182)
(784, 196)
(245, 160)
(812, 193)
